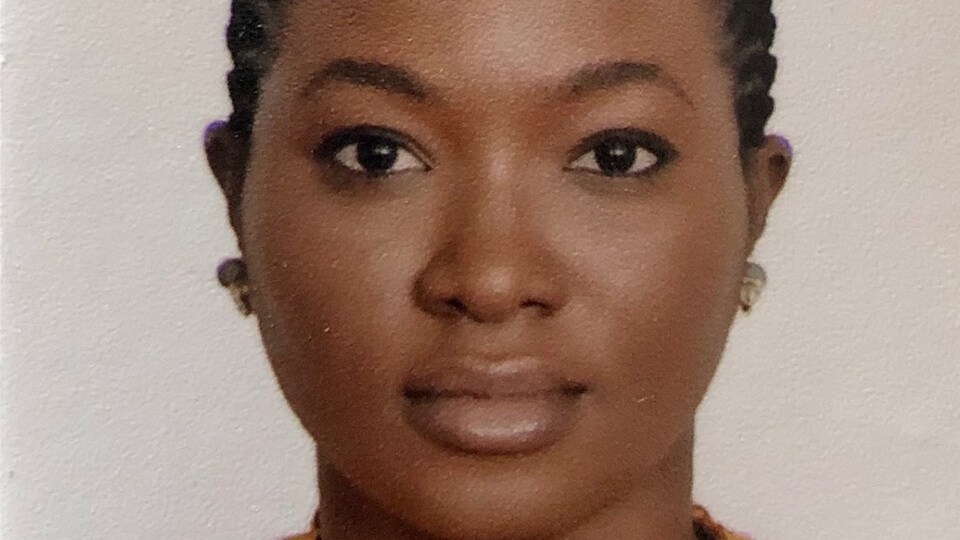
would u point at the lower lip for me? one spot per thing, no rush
(505, 425)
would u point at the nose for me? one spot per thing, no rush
(492, 264)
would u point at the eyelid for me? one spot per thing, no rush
(659, 146)
(343, 137)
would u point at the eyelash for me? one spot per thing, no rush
(334, 145)
(662, 151)
(331, 150)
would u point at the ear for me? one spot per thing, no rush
(766, 172)
(227, 155)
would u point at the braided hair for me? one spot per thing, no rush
(749, 29)
(252, 37)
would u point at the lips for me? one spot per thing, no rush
(493, 407)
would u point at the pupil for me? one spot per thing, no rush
(615, 157)
(377, 154)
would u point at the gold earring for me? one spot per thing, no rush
(754, 281)
(232, 274)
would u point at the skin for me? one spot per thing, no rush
(493, 242)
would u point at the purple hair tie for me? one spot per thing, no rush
(211, 128)
(785, 142)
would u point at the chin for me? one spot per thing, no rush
(515, 503)
(448, 494)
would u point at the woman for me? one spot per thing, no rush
(495, 249)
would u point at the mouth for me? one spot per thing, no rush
(486, 407)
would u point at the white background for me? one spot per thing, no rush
(136, 404)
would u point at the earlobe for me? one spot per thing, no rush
(766, 175)
(227, 156)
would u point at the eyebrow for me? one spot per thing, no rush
(392, 79)
(610, 75)
(398, 80)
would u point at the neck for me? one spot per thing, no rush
(657, 507)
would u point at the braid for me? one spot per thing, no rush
(252, 40)
(750, 27)
(749, 30)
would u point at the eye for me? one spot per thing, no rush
(616, 157)
(370, 151)
(622, 153)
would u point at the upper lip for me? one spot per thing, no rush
(490, 378)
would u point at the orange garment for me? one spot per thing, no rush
(703, 523)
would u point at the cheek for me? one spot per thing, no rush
(331, 290)
(665, 278)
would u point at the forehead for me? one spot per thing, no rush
(506, 43)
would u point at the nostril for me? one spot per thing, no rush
(456, 305)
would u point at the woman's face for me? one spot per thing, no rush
(495, 247)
